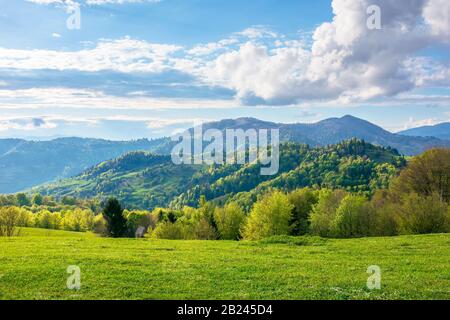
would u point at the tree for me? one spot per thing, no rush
(423, 214)
(22, 200)
(270, 216)
(324, 212)
(303, 201)
(8, 221)
(37, 199)
(426, 175)
(113, 214)
(353, 217)
(229, 221)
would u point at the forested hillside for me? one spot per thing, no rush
(145, 181)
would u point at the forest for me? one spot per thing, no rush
(373, 192)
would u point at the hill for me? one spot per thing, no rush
(145, 181)
(441, 131)
(24, 164)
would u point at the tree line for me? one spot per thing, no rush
(416, 202)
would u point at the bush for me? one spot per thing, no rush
(139, 219)
(48, 220)
(100, 225)
(324, 212)
(270, 216)
(78, 220)
(303, 201)
(168, 231)
(423, 215)
(229, 221)
(385, 220)
(426, 175)
(353, 218)
(8, 221)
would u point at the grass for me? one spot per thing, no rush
(33, 266)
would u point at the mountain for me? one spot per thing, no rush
(335, 130)
(24, 164)
(441, 131)
(144, 181)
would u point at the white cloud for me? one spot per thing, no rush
(347, 61)
(415, 123)
(344, 62)
(437, 16)
(123, 55)
(56, 35)
(37, 98)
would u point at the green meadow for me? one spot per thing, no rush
(34, 266)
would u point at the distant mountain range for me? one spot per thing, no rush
(334, 130)
(441, 131)
(24, 164)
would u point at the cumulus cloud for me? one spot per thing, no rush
(347, 61)
(343, 62)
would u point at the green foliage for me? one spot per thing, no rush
(427, 174)
(422, 215)
(113, 214)
(324, 212)
(229, 221)
(37, 200)
(354, 217)
(78, 220)
(144, 181)
(271, 216)
(169, 231)
(303, 201)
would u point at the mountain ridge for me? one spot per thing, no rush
(24, 164)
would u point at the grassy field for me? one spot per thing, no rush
(33, 266)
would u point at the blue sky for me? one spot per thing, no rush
(139, 68)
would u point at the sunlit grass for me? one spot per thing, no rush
(33, 266)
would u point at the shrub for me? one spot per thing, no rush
(229, 221)
(385, 220)
(353, 217)
(422, 215)
(100, 225)
(270, 216)
(78, 220)
(8, 221)
(324, 212)
(48, 220)
(168, 231)
(137, 219)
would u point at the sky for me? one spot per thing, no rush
(129, 69)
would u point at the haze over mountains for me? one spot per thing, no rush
(24, 164)
(441, 131)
